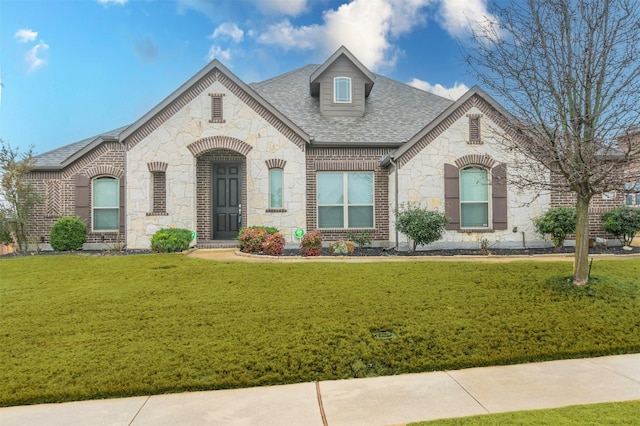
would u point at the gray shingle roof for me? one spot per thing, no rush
(394, 111)
(56, 158)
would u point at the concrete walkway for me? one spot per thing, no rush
(389, 400)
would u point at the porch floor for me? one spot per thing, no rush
(212, 244)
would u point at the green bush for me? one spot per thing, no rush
(68, 234)
(557, 222)
(171, 240)
(421, 225)
(311, 243)
(362, 239)
(5, 229)
(623, 222)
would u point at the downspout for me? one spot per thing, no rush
(395, 171)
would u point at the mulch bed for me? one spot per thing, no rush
(379, 251)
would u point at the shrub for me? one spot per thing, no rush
(270, 229)
(171, 240)
(311, 243)
(68, 234)
(251, 239)
(420, 225)
(360, 238)
(623, 222)
(273, 244)
(557, 222)
(342, 247)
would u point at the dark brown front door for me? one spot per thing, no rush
(226, 200)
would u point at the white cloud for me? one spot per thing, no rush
(120, 2)
(282, 7)
(216, 52)
(230, 30)
(460, 17)
(454, 92)
(32, 57)
(365, 27)
(26, 35)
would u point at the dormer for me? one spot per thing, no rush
(342, 83)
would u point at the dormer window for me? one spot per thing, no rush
(342, 90)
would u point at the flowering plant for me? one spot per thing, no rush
(311, 244)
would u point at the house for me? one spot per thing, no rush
(333, 147)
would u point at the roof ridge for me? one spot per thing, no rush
(281, 76)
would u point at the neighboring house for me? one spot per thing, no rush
(332, 147)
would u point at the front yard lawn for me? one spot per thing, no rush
(80, 327)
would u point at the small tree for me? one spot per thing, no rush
(623, 222)
(18, 197)
(557, 222)
(420, 225)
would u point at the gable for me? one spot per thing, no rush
(474, 98)
(215, 72)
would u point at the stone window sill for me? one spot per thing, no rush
(158, 214)
(476, 230)
(276, 210)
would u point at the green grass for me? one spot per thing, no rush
(614, 413)
(79, 327)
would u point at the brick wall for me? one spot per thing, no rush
(344, 160)
(58, 191)
(599, 204)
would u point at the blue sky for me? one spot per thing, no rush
(71, 69)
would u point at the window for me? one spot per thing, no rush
(474, 198)
(632, 194)
(105, 204)
(275, 188)
(345, 200)
(216, 108)
(342, 90)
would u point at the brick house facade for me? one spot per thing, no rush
(332, 147)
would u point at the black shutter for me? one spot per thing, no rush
(499, 196)
(452, 196)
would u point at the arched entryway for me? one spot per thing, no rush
(221, 193)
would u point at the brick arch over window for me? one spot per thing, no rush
(499, 206)
(275, 163)
(157, 166)
(105, 170)
(476, 160)
(219, 142)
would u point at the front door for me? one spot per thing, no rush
(226, 200)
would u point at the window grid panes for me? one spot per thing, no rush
(474, 198)
(342, 90)
(275, 188)
(345, 200)
(106, 204)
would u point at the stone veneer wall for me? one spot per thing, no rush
(421, 178)
(183, 136)
(349, 159)
(58, 191)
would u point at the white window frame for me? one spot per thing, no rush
(336, 81)
(94, 207)
(345, 200)
(281, 178)
(488, 202)
(632, 190)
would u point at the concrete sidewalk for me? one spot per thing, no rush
(373, 401)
